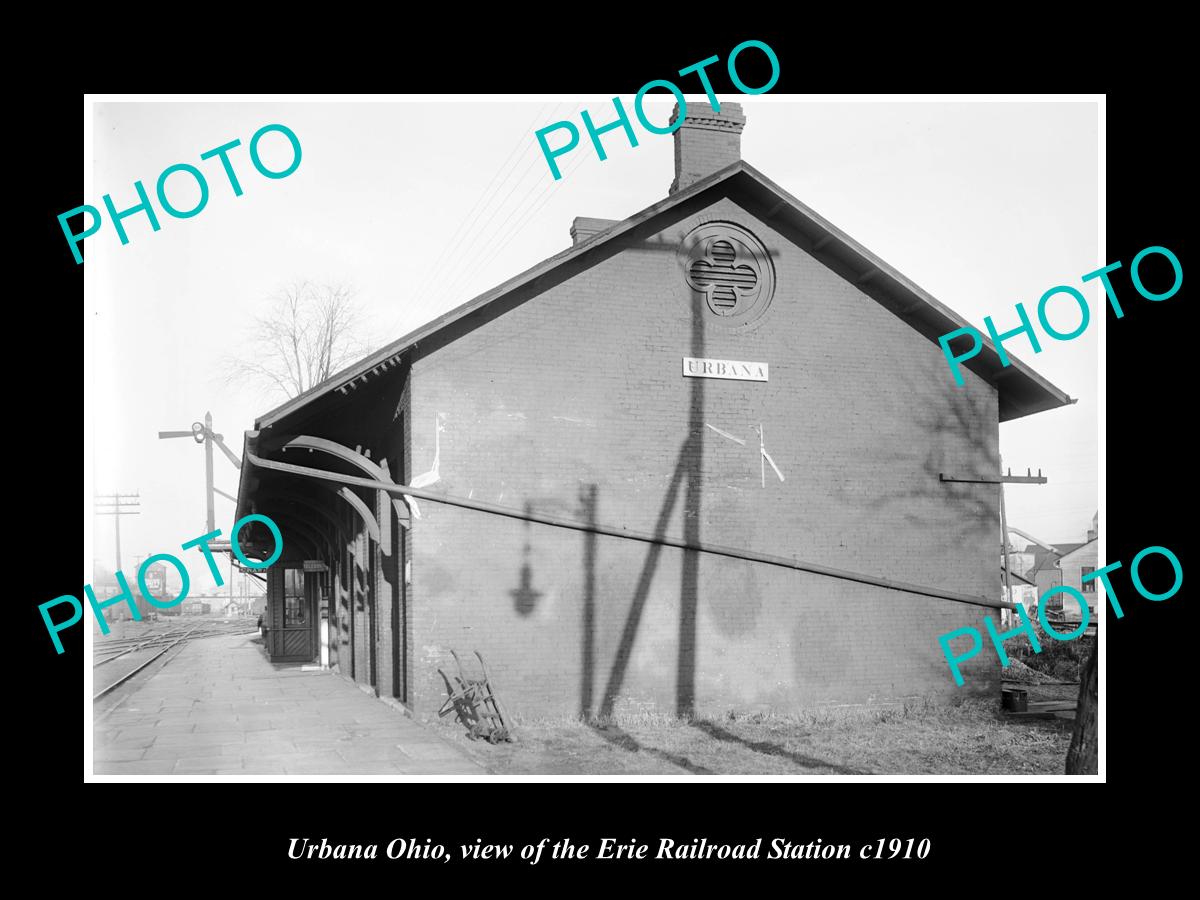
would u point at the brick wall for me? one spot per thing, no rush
(580, 390)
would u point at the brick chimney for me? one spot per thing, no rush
(583, 229)
(706, 142)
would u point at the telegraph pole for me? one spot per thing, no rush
(1010, 478)
(1004, 537)
(117, 505)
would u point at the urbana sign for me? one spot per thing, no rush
(724, 368)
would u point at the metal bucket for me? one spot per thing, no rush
(1014, 700)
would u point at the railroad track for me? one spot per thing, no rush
(154, 645)
(120, 647)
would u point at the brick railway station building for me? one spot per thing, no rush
(631, 384)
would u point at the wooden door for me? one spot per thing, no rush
(292, 621)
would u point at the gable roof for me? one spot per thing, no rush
(1045, 559)
(1041, 555)
(1021, 391)
(1074, 548)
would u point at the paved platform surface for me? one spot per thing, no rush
(222, 708)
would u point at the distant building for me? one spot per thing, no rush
(1075, 564)
(104, 585)
(156, 584)
(1023, 591)
(195, 607)
(245, 606)
(1064, 563)
(1022, 561)
(1045, 573)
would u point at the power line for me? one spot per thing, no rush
(457, 282)
(544, 197)
(117, 505)
(538, 203)
(485, 193)
(479, 224)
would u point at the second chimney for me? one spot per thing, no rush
(584, 229)
(706, 142)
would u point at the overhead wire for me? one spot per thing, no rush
(463, 276)
(540, 201)
(484, 200)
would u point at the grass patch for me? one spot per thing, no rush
(1058, 659)
(915, 736)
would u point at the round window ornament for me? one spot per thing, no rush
(728, 273)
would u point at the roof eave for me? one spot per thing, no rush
(1040, 396)
(1021, 390)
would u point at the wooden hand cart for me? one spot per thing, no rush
(475, 702)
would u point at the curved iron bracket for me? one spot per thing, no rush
(300, 532)
(335, 527)
(364, 512)
(360, 462)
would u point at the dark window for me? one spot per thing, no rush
(1089, 587)
(293, 597)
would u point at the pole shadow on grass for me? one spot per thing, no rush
(619, 738)
(769, 749)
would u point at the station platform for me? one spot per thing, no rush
(222, 708)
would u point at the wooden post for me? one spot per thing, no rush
(1004, 539)
(117, 524)
(208, 470)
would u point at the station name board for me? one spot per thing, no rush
(724, 368)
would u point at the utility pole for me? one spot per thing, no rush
(1004, 537)
(1010, 478)
(117, 505)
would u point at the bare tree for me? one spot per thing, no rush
(309, 332)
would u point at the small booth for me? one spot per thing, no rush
(296, 612)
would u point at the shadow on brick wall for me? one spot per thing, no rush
(955, 427)
(688, 476)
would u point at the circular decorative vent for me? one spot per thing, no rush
(728, 271)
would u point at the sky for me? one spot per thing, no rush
(982, 204)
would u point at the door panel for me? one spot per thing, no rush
(292, 629)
